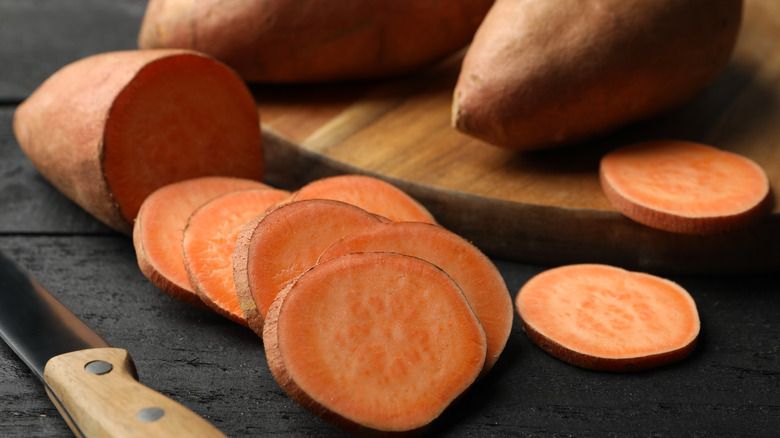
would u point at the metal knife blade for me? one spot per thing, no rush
(35, 324)
(93, 386)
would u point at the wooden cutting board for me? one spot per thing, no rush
(542, 207)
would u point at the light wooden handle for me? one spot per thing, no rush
(98, 394)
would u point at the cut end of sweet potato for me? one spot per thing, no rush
(379, 341)
(685, 187)
(606, 318)
(159, 230)
(475, 273)
(181, 117)
(371, 194)
(209, 242)
(284, 243)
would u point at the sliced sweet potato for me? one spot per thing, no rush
(475, 274)
(209, 240)
(606, 318)
(109, 129)
(685, 187)
(277, 247)
(374, 341)
(159, 230)
(369, 193)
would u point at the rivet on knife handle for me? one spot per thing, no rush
(98, 389)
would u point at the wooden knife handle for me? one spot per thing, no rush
(98, 394)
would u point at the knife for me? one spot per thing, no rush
(94, 386)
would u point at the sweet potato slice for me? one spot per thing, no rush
(109, 129)
(209, 240)
(159, 230)
(369, 193)
(685, 187)
(475, 274)
(377, 341)
(277, 247)
(606, 318)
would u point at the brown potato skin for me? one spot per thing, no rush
(543, 74)
(314, 40)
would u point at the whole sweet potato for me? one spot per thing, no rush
(314, 40)
(548, 73)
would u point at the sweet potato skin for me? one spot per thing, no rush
(546, 74)
(590, 362)
(314, 40)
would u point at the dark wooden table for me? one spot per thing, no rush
(729, 387)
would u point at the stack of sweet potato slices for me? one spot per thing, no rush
(372, 315)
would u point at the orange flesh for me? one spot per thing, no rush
(384, 340)
(290, 239)
(477, 276)
(685, 179)
(181, 117)
(607, 312)
(209, 240)
(159, 229)
(368, 193)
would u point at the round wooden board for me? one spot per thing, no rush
(542, 207)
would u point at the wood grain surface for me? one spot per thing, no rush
(541, 207)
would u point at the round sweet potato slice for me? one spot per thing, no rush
(374, 341)
(210, 239)
(605, 318)
(685, 187)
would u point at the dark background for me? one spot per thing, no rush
(729, 387)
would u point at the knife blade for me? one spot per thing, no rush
(94, 386)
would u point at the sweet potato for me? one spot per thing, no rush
(276, 247)
(314, 40)
(109, 129)
(209, 240)
(159, 230)
(541, 74)
(685, 187)
(374, 341)
(371, 194)
(478, 278)
(605, 318)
